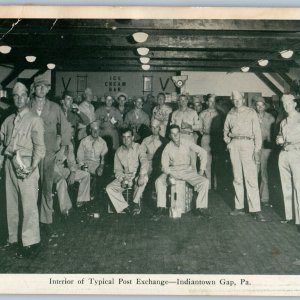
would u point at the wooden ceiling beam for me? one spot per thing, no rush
(158, 42)
(269, 84)
(187, 24)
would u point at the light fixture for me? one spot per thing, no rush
(146, 67)
(245, 69)
(114, 28)
(286, 53)
(50, 66)
(5, 49)
(144, 60)
(263, 62)
(140, 37)
(30, 58)
(142, 51)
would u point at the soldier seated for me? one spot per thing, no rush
(128, 159)
(66, 172)
(176, 162)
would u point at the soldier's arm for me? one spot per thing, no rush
(256, 132)
(143, 161)
(202, 154)
(37, 136)
(80, 153)
(118, 168)
(227, 139)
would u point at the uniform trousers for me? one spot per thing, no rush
(210, 172)
(289, 168)
(62, 187)
(189, 175)
(115, 190)
(46, 168)
(262, 169)
(244, 166)
(22, 193)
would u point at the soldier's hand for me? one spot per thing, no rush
(99, 170)
(141, 180)
(202, 173)
(256, 157)
(71, 178)
(124, 183)
(279, 140)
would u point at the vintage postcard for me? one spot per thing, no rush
(149, 150)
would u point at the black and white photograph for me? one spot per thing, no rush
(144, 143)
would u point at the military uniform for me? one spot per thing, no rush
(90, 152)
(242, 135)
(189, 116)
(289, 166)
(108, 122)
(176, 161)
(88, 109)
(61, 173)
(266, 122)
(52, 116)
(162, 114)
(210, 127)
(126, 164)
(23, 134)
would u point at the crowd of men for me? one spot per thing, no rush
(46, 145)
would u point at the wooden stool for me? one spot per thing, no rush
(181, 198)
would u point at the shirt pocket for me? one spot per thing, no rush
(23, 141)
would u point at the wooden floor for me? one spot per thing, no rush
(121, 244)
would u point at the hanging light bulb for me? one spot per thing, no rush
(263, 62)
(30, 58)
(50, 66)
(146, 67)
(286, 53)
(245, 69)
(144, 60)
(5, 49)
(140, 37)
(142, 51)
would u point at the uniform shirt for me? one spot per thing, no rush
(162, 114)
(89, 110)
(189, 116)
(135, 118)
(24, 132)
(210, 122)
(91, 149)
(266, 122)
(244, 123)
(55, 123)
(150, 145)
(290, 129)
(180, 156)
(127, 161)
(105, 117)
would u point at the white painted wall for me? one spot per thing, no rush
(222, 83)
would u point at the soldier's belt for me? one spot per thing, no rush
(242, 138)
